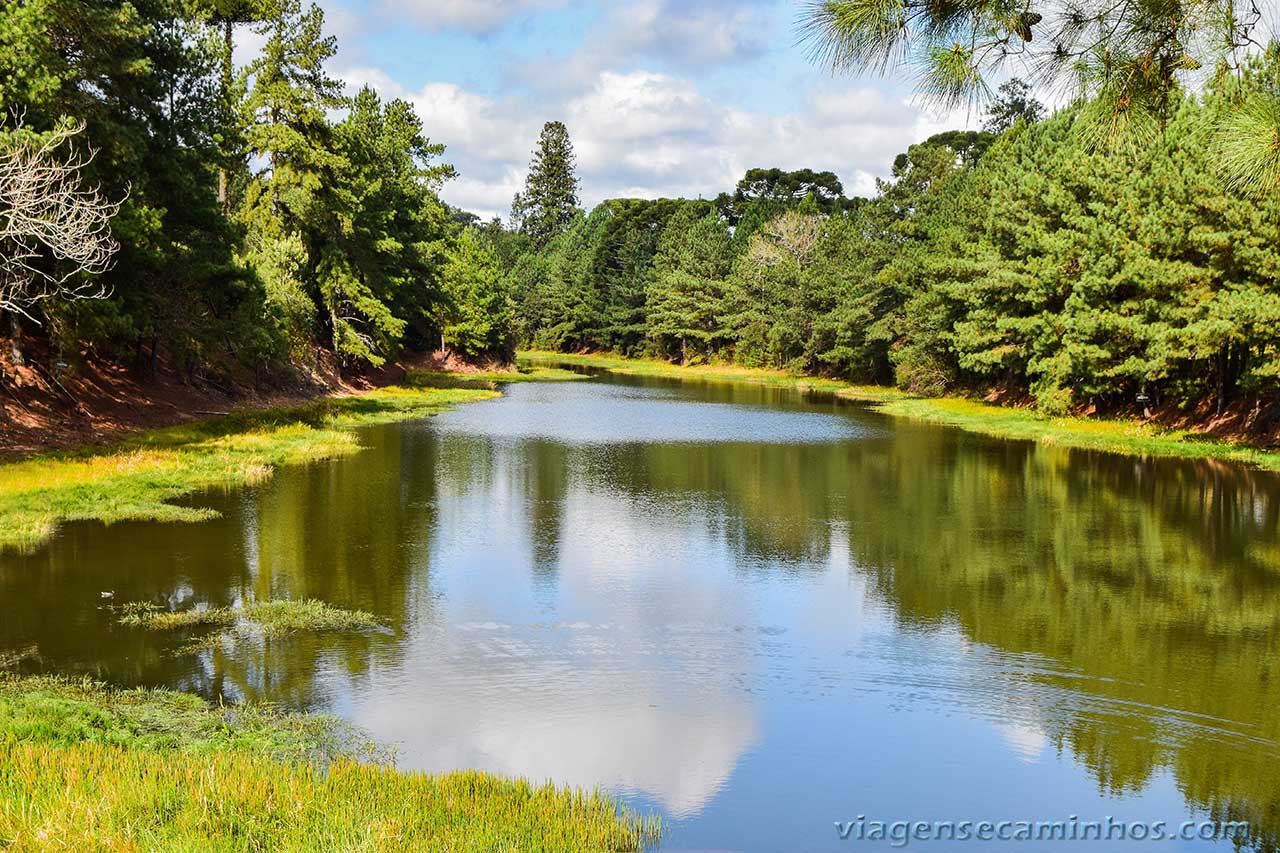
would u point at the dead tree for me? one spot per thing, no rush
(55, 229)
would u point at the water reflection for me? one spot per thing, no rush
(757, 612)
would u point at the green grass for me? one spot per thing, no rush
(1113, 435)
(526, 373)
(64, 712)
(704, 373)
(85, 768)
(139, 478)
(266, 618)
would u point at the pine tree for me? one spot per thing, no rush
(285, 114)
(477, 315)
(141, 76)
(687, 284)
(1013, 103)
(288, 203)
(225, 15)
(1131, 57)
(549, 201)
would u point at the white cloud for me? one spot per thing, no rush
(647, 134)
(712, 31)
(473, 16)
(655, 34)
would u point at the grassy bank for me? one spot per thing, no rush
(492, 380)
(138, 478)
(1112, 435)
(701, 373)
(182, 775)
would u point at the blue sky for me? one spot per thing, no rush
(661, 97)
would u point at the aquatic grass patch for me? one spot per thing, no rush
(85, 767)
(287, 616)
(139, 478)
(265, 619)
(164, 620)
(64, 712)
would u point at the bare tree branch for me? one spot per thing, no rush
(55, 230)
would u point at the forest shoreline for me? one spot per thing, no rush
(137, 475)
(100, 402)
(138, 478)
(1107, 434)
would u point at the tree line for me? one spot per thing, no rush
(245, 215)
(252, 215)
(1019, 257)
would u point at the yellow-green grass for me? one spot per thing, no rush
(1112, 435)
(268, 618)
(84, 768)
(138, 478)
(525, 373)
(700, 372)
(66, 712)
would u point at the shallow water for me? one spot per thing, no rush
(755, 612)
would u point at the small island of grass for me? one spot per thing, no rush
(269, 618)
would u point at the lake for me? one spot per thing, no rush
(753, 611)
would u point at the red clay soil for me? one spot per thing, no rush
(45, 408)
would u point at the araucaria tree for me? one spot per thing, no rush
(549, 201)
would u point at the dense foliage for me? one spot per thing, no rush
(269, 220)
(550, 196)
(1128, 58)
(1020, 259)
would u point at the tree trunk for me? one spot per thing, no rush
(227, 71)
(684, 352)
(337, 339)
(15, 339)
(1221, 381)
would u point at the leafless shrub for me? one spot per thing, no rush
(792, 234)
(55, 229)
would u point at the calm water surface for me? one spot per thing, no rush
(755, 613)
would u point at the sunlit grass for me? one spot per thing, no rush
(702, 372)
(65, 712)
(83, 767)
(138, 479)
(270, 618)
(53, 798)
(526, 373)
(1112, 435)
